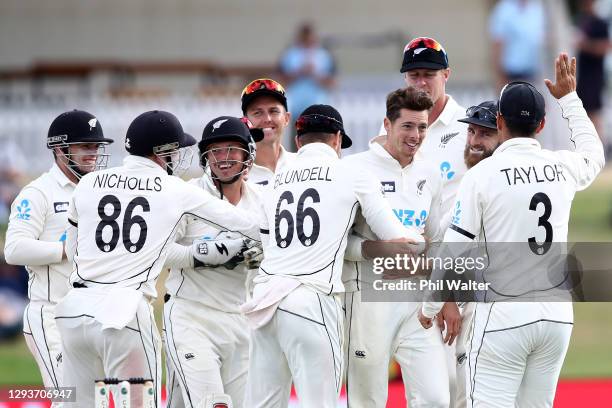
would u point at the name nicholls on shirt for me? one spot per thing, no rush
(533, 174)
(127, 183)
(318, 173)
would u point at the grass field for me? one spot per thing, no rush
(589, 355)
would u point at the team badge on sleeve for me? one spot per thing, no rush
(23, 210)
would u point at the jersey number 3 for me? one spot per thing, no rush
(536, 248)
(110, 221)
(301, 214)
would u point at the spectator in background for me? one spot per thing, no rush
(308, 70)
(592, 47)
(517, 29)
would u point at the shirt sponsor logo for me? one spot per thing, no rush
(263, 183)
(23, 210)
(360, 354)
(388, 186)
(60, 206)
(189, 356)
(446, 170)
(456, 213)
(410, 217)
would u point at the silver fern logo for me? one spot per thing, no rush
(447, 138)
(420, 185)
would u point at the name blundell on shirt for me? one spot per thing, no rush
(317, 173)
(532, 174)
(127, 183)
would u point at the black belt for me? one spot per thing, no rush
(78, 285)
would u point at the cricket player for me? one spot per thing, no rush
(121, 222)
(379, 331)
(206, 337)
(425, 67)
(295, 313)
(523, 193)
(482, 140)
(264, 103)
(37, 232)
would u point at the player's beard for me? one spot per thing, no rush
(473, 159)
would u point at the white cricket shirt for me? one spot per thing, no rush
(219, 288)
(35, 234)
(309, 210)
(126, 216)
(413, 192)
(521, 193)
(262, 175)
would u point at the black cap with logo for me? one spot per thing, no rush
(520, 102)
(75, 126)
(424, 52)
(226, 128)
(156, 132)
(483, 114)
(322, 118)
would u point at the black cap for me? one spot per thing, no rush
(520, 102)
(263, 86)
(484, 114)
(322, 118)
(75, 126)
(424, 52)
(226, 128)
(156, 132)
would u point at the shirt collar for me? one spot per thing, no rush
(448, 113)
(59, 176)
(518, 143)
(132, 161)
(376, 146)
(317, 149)
(282, 157)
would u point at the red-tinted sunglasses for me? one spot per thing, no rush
(263, 83)
(426, 41)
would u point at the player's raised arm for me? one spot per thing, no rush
(588, 158)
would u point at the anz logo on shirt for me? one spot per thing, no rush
(446, 170)
(456, 213)
(23, 210)
(410, 217)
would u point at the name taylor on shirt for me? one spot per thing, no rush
(533, 174)
(127, 183)
(318, 173)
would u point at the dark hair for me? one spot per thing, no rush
(518, 129)
(407, 98)
(316, 137)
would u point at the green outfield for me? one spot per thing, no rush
(589, 354)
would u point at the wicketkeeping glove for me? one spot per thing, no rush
(219, 251)
(253, 255)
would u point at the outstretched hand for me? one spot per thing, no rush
(565, 76)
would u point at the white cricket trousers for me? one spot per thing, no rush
(379, 331)
(207, 352)
(303, 342)
(91, 353)
(516, 366)
(43, 340)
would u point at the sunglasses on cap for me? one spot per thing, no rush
(263, 83)
(317, 121)
(481, 112)
(426, 42)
